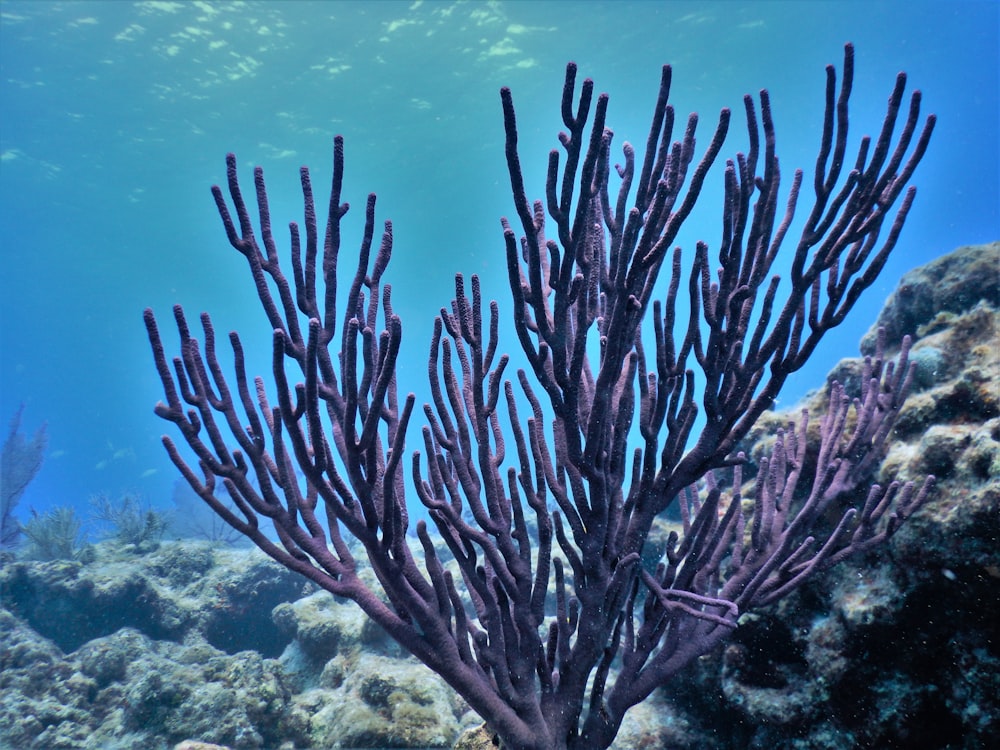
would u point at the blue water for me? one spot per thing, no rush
(115, 118)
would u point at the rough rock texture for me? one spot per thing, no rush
(176, 590)
(182, 644)
(355, 687)
(953, 283)
(143, 651)
(190, 645)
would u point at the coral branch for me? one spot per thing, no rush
(532, 601)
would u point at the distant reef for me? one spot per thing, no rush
(190, 643)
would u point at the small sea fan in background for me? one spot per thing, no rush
(21, 460)
(130, 520)
(55, 535)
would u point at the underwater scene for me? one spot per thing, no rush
(653, 403)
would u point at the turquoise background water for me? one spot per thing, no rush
(115, 118)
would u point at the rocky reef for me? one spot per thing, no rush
(899, 649)
(190, 643)
(194, 642)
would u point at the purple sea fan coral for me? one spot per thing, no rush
(564, 678)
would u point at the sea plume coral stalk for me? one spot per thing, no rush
(522, 515)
